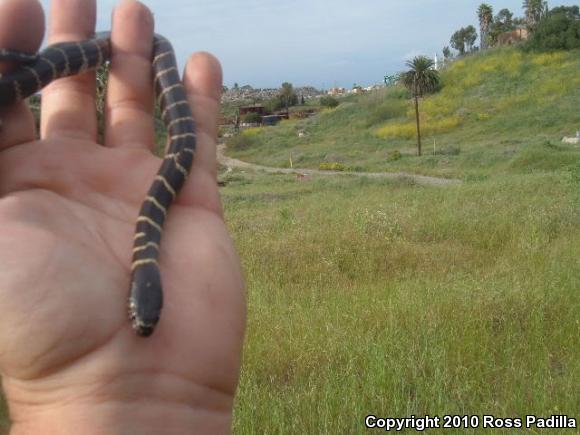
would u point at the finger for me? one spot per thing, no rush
(203, 85)
(21, 28)
(68, 104)
(129, 107)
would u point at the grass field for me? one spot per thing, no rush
(369, 296)
(389, 298)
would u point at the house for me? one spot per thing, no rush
(336, 91)
(513, 37)
(254, 108)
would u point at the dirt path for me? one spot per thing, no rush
(420, 179)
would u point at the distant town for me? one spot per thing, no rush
(248, 93)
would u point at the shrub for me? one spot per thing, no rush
(237, 178)
(390, 109)
(252, 118)
(242, 141)
(448, 151)
(333, 166)
(329, 102)
(408, 130)
(556, 147)
(253, 131)
(394, 155)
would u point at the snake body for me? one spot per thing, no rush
(35, 71)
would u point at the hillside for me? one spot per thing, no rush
(497, 112)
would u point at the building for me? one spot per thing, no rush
(336, 91)
(254, 108)
(514, 37)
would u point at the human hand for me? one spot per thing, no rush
(69, 359)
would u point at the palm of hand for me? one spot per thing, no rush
(67, 220)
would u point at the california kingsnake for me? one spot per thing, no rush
(35, 71)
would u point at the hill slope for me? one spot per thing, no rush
(500, 111)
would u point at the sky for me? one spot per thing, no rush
(321, 43)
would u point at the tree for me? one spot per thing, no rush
(463, 39)
(287, 96)
(329, 101)
(470, 35)
(534, 11)
(503, 22)
(485, 15)
(569, 11)
(447, 53)
(420, 79)
(504, 18)
(559, 30)
(457, 41)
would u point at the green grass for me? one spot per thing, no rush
(369, 296)
(497, 110)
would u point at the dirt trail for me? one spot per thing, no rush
(420, 179)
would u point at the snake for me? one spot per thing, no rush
(34, 71)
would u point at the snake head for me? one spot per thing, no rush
(146, 299)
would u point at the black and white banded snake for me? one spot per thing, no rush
(34, 71)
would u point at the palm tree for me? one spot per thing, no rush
(485, 14)
(420, 79)
(534, 12)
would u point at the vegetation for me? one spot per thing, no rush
(534, 11)
(246, 139)
(499, 109)
(559, 30)
(464, 39)
(447, 55)
(372, 296)
(333, 166)
(252, 118)
(287, 96)
(502, 22)
(485, 15)
(394, 155)
(556, 29)
(413, 300)
(420, 80)
(328, 101)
